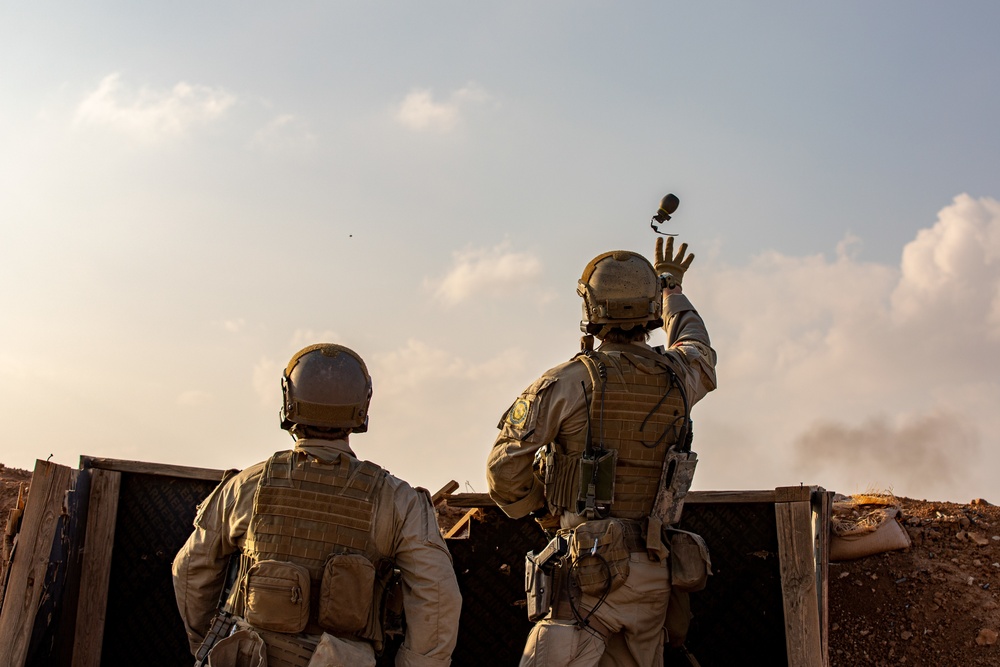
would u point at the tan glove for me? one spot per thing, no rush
(676, 265)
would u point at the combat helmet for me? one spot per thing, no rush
(326, 386)
(619, 289)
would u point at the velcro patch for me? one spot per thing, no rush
(518, 412)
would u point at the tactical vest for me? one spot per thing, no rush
(306, 510)
(638, 410)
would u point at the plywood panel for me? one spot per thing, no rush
(45, 507)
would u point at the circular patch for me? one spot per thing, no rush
(518, 413)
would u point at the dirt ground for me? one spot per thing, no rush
(935, 603)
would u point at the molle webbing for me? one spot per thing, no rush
(638, 408)
(305, 510)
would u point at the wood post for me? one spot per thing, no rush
(96, 573)
(800, 549)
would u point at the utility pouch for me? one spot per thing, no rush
(558, 473)
(537, 588)
(277, 596)
(346, 591)
(599, 556)
(690, 563)
(678, 473)
(596, 483)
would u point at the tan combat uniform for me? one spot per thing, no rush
(627, 627)
(407, 532)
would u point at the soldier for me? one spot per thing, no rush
(583, 449)
(321, 538)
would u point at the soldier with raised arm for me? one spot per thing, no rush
(589, 448)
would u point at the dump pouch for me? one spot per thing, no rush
(599, 556)
(277, 596)
(335, 652)
(346, 590)
(243, 648)
(690, 563)
(675, 480)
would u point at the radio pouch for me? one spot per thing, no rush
(675, 480)
(596, 487)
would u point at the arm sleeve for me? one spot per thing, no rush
(199, 569)
(431, 598)
(688, 343)
(554, 405)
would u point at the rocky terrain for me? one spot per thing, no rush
(935, 603)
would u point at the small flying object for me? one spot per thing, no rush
(668, 205)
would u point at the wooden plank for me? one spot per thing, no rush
(484, 500)
(791, 494)
(96, 574)
(470, 500)
(444, 491)
(730, 497)
(462, 525)
(145, 468)
(49, 484)
(798, 583)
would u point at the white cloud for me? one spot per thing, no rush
(953, 268)
(420, 111)
(285, 135)
(851, 373)
(152, 115)
(486, 271)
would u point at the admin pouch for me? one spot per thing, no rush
(599, 556)
(346, 590)
(277, 596)
(690, 563)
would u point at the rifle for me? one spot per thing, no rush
(224, 622)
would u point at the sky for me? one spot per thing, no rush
(191, 192)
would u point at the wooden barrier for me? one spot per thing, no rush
(111, 601)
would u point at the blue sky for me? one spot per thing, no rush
(190, 193)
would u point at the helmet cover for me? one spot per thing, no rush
(619, 289)
(328, 386)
